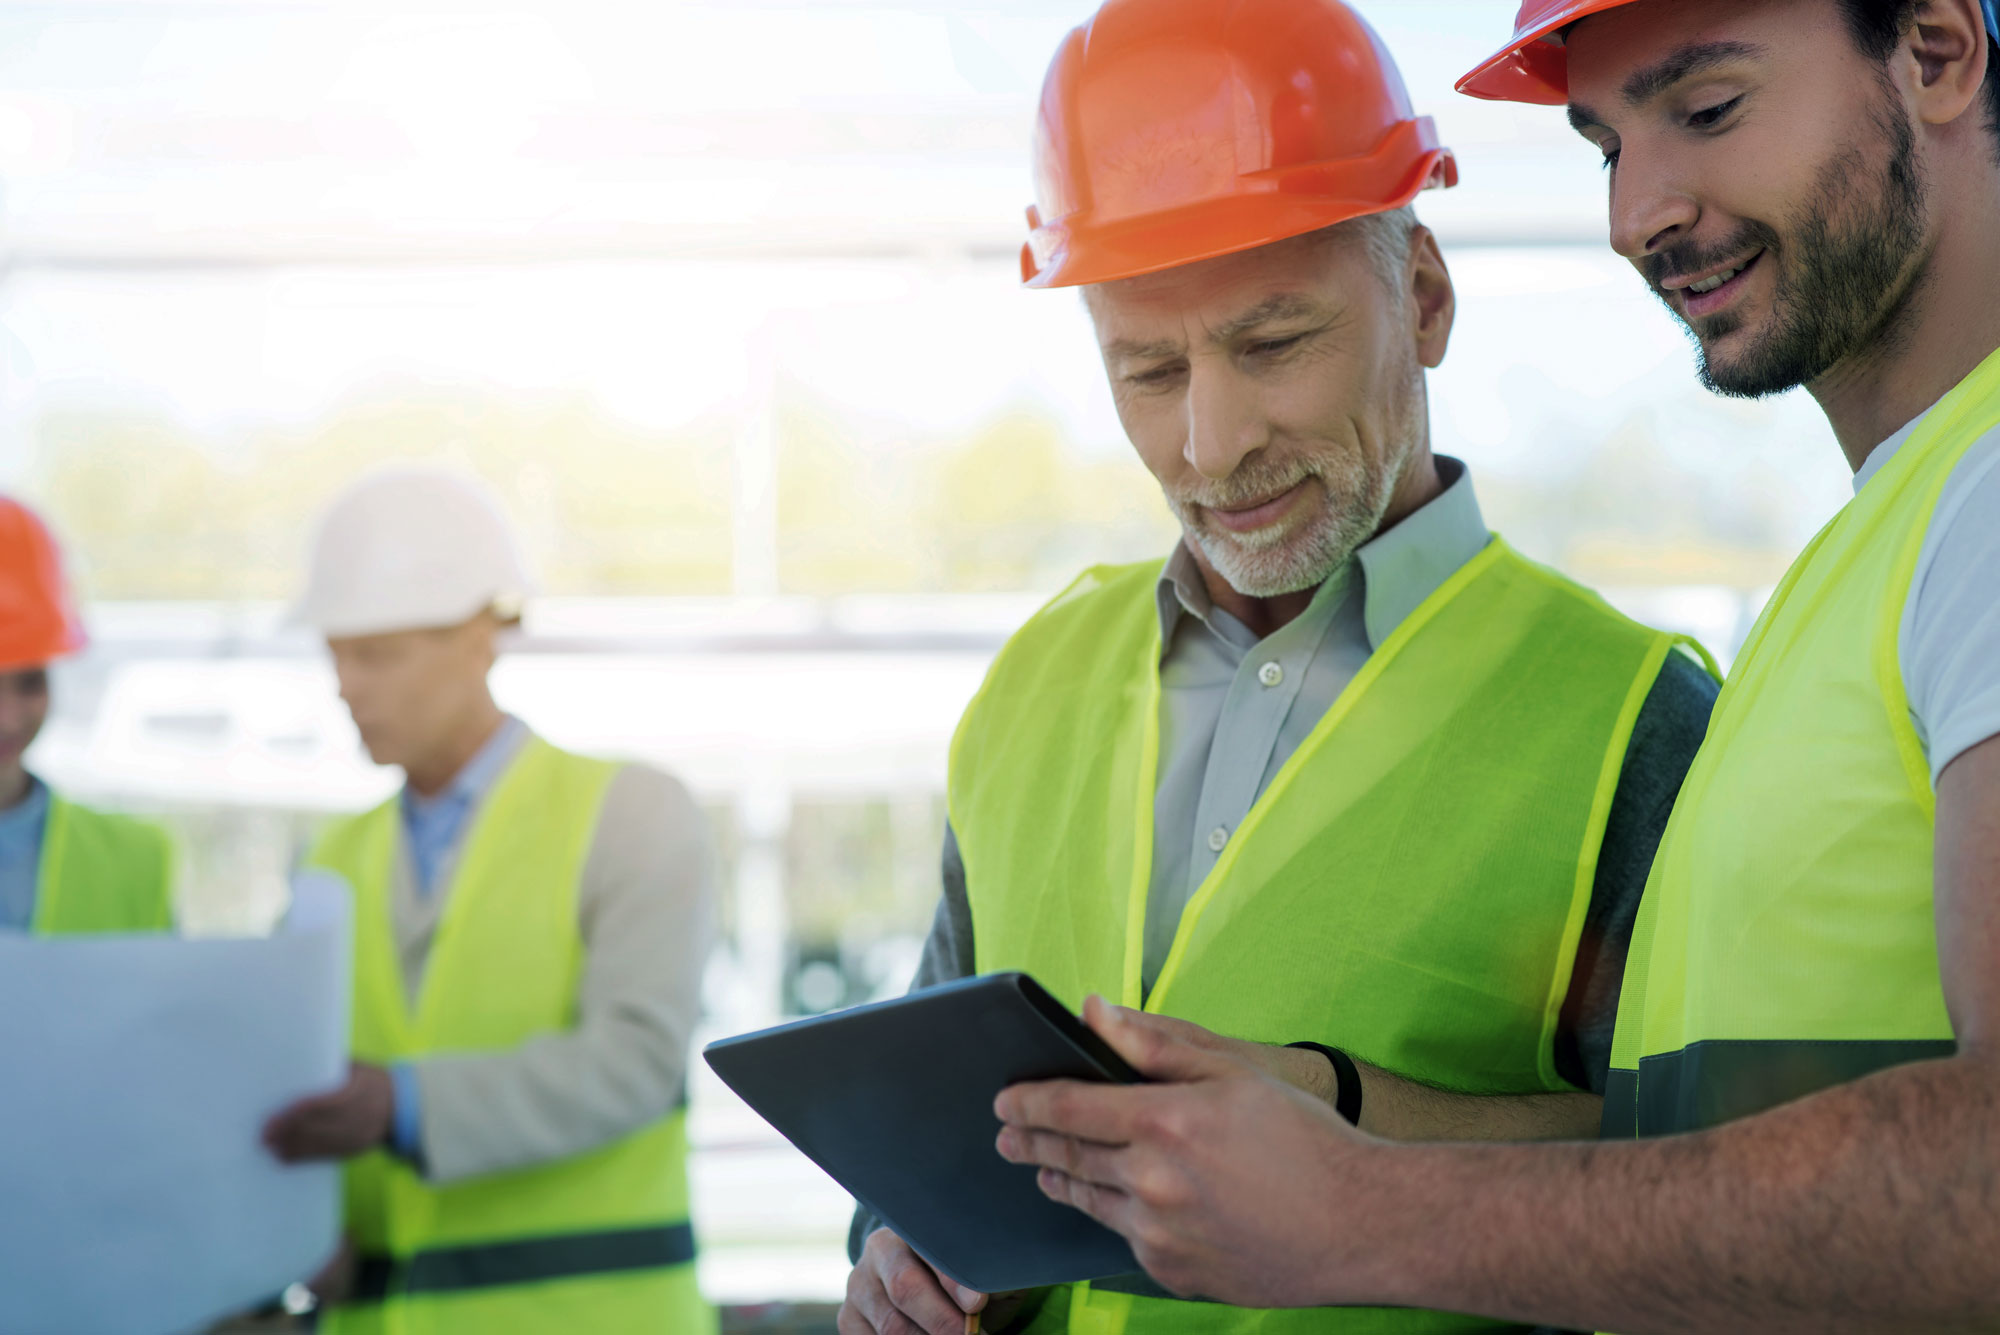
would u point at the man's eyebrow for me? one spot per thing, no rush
(1697, 58)
(1133, 350)
(1283, 306)
(1582, 118)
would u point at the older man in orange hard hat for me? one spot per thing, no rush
(63, 867)
(1804, 1129)
(1344, 785)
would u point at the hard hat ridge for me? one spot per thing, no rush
(411, 547)
(38, 616)
(1171, 131)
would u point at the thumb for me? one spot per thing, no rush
(1158, 1047)
(968, 1300)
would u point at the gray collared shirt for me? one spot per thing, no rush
(1233, 708)
(645, 913)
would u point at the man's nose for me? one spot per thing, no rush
(1226, 422)
(1650, 209)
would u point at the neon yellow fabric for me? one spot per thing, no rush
(1410, 888)
(102, 873)
(1791, 902)
(503, 968)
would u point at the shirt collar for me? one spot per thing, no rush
(478, 774)
(1399, 568)
(1878, 458)
(29, 812)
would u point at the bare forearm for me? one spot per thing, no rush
(1398, 1109)
(1871, 1208)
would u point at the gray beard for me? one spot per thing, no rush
(1299, 560)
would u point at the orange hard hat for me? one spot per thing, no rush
(1533, 66)
(38, 619)
(1171, 131)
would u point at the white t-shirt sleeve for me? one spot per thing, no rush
(1950, 647)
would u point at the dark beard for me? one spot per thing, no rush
(1840, 288)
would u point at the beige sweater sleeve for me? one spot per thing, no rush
(647, 911)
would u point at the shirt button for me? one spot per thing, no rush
(1217, 837)
(1270, 674)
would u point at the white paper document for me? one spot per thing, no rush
(136, 1074)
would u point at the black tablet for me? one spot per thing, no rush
(895, 1102)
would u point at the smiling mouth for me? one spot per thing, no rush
(1706, 295)
(1258, 514)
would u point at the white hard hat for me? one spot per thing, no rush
(411, 548)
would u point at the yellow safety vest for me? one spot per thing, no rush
(102, 873)
(1411, 887)
(597, 1242)
(1787, 941)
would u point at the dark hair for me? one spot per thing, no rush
(1878, 25)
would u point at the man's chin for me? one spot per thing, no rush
(1749, 375)
(378, 754)
(1266, 579)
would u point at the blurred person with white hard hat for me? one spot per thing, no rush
(64, 868)
(530, 928)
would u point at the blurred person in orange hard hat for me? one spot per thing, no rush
(530, 928)
(1343, 789)
(63, 867)
(1806, 1067)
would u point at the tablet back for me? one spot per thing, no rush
(895, 1102)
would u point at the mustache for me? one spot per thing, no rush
(1252, 483)
(1692, 257)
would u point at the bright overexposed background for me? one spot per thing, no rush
(723, 298)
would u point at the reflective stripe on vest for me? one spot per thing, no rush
(485, 1265)
(1787, 942)
(596, 1241)
(1411, 887)
(102, 873)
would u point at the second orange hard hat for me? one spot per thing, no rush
(1534, 65)
(1172, 131)
(38, 620)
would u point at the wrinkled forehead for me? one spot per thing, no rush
(1283, 280)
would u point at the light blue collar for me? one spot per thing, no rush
(478, 775)
(29, 813)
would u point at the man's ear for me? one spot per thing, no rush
(1433, 303)
(1948, 49)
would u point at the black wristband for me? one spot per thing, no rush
(1346, 1081)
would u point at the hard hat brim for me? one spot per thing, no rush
(1079, 252)
(346, 624)
(1530, 68)
(71, 641)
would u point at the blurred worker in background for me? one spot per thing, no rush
(1808, 1048)
(530, 928)
(1345, 769)
(63, 867)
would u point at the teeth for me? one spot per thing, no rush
(1710, 284)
